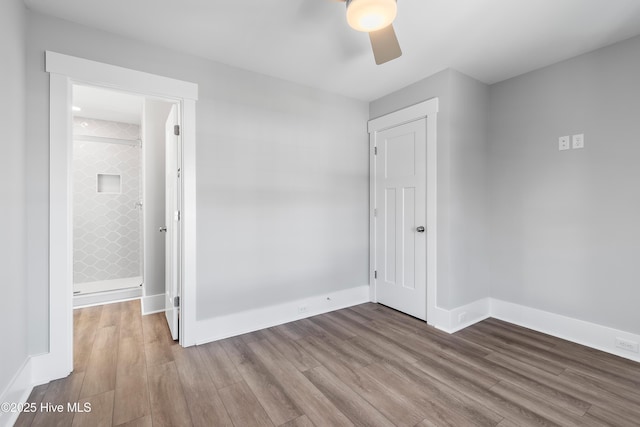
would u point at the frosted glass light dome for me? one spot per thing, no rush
(371, 15)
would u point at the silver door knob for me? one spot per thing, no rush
(162, 229)
(420, 229)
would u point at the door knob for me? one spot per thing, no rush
(420, 229)
(162, 229)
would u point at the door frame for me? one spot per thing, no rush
(427, 111)
(64, 71)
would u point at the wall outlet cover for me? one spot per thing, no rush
(563, 143)
(578, 140)
(627, 345)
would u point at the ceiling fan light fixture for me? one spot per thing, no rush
(371, 15)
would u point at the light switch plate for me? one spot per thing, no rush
(578, 141)
(563, 143)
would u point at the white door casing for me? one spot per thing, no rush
(401, 217)
(172, 220)
(395, 128)
(64, 71)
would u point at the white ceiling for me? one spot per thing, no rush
(107, 104)
(309, 42)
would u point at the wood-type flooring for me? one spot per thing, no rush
(366, 365)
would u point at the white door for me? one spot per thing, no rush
(172, 214)
(400, 219)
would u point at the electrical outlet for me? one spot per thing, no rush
(627, 345)
(303, 309)
(578, 140)
(563, 143)
(462, 317)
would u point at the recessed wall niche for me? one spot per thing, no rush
(109, 183)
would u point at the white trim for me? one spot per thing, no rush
(99, 74)
(106, 297)
(414, 112)
(474, 312)
(426, 110)
(41, 368)
(60, 357)
(107, 285)
(252, 320)
(188, 320)
(372, 218)
(16, 392)
(563, 327)
(431, 108)
(152, 304)
(64, 72)
(570, 329)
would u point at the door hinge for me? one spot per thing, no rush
(375, 212)
(177, 216)
(176, 130)
(375, 274)
(375, 151)
(176, 301)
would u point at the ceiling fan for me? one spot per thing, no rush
(376, 17)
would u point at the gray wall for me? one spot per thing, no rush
(462, 191)
(282, 175)
(565, 235)
(13, 235)
(468, 273)
(153, 142)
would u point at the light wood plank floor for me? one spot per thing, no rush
(367, 366)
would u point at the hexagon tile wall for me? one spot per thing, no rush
(106, 225)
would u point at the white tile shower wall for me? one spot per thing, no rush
(107, 229)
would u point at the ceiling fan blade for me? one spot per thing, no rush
(385, 45)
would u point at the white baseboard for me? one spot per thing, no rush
(153, 304)
(252, 320)
(107, 285)
(47, 367)
(461, 317)
(16, 392)
(579, 331)
(106, 297)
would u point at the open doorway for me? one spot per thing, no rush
(126, 199)
(65, 72)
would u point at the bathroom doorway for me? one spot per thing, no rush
(64, 72)
(118, 196)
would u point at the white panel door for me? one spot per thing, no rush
(400, 185)
(172, 214)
